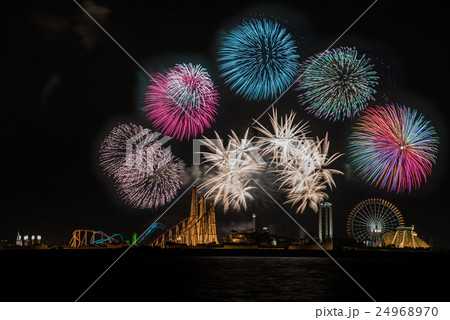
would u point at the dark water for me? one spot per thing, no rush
(53, 276)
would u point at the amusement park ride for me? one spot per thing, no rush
(199, 228)
(378, 223)
(372, 223)
(85, 238)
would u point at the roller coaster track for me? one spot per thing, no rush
(150, 231)
(84, 238)
(178, 232)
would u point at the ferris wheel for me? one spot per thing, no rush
(371, 219)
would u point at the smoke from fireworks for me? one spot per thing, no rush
(233, 168)
(337, 84)
(182, 102)
(146, 174)
(258, 59)
(300, 162)
(393, 147)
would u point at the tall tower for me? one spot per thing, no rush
(194, 203)
(325, 222)
(202, 224)
(212, 231)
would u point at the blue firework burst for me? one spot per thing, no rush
(258, 59)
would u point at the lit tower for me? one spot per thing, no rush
(26, 241)
(19, 239)
(193, 218)
(254, 223)
(325, 221)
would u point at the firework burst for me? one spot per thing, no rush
(305, 178)
(283, 142)
(233, 168)
(300, 162)
(393, 147)
(146, 175)
(337, 84)
(182, 102)
(258, 59)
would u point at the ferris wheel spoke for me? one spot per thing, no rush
(366, 211)
(362, 235)
(361, 219)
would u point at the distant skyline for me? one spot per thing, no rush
(65, 85)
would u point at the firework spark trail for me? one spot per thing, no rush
(258, 59)
(147, 190)
(300, 162)
(393, 147)
(305, 178)
(146, 175)
(284, 140)
(182, 102)
(337, 84)
(233, 167)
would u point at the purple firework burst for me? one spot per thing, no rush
(182, 102)
(146, 174)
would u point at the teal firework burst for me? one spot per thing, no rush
(337, 84)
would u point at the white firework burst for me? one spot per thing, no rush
(283, 141)
(233, 168)
(300, 162)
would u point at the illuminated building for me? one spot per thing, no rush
(256, 239)
(404, 237)
(325, 222)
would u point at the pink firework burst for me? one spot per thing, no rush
(182, 102)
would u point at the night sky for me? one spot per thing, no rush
(65, 84)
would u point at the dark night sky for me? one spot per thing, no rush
(65, 84)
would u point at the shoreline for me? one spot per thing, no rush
(221, 251)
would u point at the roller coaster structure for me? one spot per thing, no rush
(84, 238)
(199, 228)
(156, 226)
